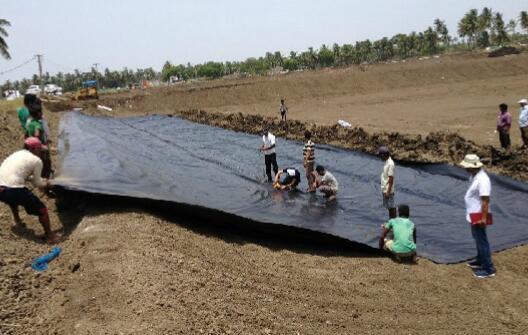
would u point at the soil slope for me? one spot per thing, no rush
(128, 270)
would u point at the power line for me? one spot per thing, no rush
(17, 67)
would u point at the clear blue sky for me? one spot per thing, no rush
(137, 33)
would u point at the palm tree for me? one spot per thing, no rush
(469, 26)
(523, 19)
(3, 33)
(499, 29)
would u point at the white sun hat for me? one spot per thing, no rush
(471, 161)
(523, 101)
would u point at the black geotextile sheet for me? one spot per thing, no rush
(166, 158)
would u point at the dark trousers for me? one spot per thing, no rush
(46, 164)
(483, 248)
(269, 160)
(504, 140)
(524, 135)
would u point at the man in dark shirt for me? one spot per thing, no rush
(504, 121)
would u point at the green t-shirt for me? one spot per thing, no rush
(23, 115)
(402, 229)
(35, 125)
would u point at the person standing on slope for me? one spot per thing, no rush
(387, 181)
(523, 121)
(283, 110)
(478, 214)
(270, 157)
(309, 160)
(15, 170)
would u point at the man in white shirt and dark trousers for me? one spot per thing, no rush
(523, 121)
(15, 170)
(387, 181)
(478, 214)
(270, 157)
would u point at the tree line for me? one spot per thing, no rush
(476, 29)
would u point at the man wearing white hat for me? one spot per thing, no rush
(523, 121)
(478, 214)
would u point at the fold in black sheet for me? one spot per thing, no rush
(167, 158)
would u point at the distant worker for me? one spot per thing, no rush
(309, 160)
(326, 183)
(270, 157)
(287, 179)
(387, 181)
(403, 244)
(23, 112)
(504, 121)
(36, 126)
(15, 170)
(478, 214)
(523, 121)
(283, 110)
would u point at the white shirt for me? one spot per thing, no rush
(269, 140)
(480, 186)
(290, 172)
(19, 167)
(523, 117)
(330, 181)
(388, 171)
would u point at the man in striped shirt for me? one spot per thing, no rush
(309, 160)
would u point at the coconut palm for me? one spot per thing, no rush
(3, 33)
(500, 36)
(523, 19)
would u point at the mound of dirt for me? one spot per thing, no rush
(504, 51)
(438, 147)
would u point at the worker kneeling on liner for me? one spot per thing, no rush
(287, 179)
(15, 170)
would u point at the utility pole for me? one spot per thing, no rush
(95, 65)
(39, 60)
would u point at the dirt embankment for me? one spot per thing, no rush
(439, 147)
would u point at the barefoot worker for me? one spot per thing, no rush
(326, 183)
(23, 112)
(309, 159)
(403, 244)
(387, 181)
(478, 214)
(523, 121)
(287, 179)
(14, 171)
(283, 110)
(36, 126)
(504, 121)
(270, 157)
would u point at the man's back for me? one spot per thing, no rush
(17, 168)
(403, 230)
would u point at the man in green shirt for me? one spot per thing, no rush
(23, 112)
(403, 244)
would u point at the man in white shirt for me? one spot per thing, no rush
(478, 214)
(270, 157)
(15, 170)
(387, 181)
(523, 121)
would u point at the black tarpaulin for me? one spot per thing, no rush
(166, 158)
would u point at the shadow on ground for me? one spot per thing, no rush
(72, 206)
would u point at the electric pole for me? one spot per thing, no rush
(95, 65)
(39, 60)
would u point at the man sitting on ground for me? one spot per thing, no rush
(14, 171)
(287, 179)
(403, 244)
(326, 183)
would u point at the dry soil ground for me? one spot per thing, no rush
(126, 269)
